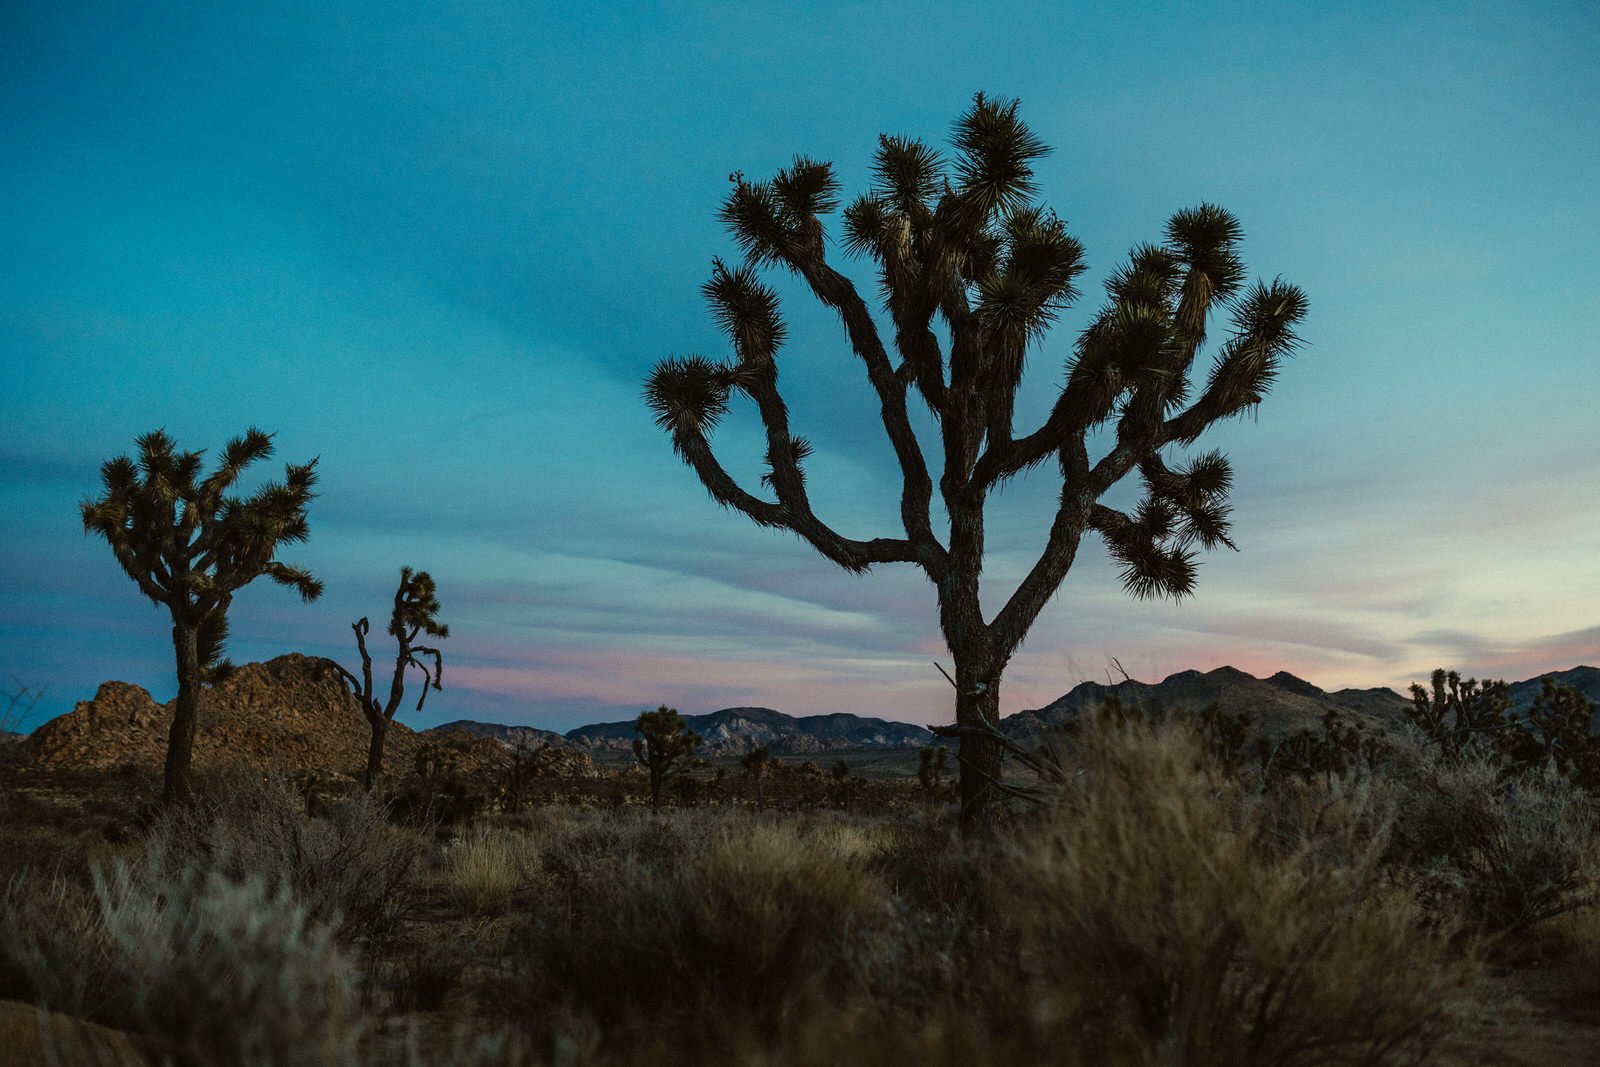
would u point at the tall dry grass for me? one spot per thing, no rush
(1158, 915)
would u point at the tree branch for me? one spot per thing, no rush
(836, 291)
(1012, 623)
(852, 555)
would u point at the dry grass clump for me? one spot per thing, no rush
(745, 921)
(218, 935)
(1155, 918)
(487, 866)
(50, 953)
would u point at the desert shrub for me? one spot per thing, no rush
(350, 867)
(577, 844)
(216, 971)
(744, 923)
(229, 972)
(1507, 851)
(486, 867)
(1155, 916)
(51, 949)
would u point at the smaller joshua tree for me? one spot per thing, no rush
(416, 610)
(755, 764)
(664, 747)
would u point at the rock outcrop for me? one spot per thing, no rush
(290, 713)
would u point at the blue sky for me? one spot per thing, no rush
(440, 245)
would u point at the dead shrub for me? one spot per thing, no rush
(215, 971)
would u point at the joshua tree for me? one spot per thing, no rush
(416, 610)
(972, 272)
(664, 747)
(189, 546)
(755, 764)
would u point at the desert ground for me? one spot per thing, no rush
(1158, 899)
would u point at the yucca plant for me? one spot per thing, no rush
(757, 763)
(190, 546)
(664, 747)
(972, 272)
(415, 612)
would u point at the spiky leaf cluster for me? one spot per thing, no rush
(186, 540)
(416, 607)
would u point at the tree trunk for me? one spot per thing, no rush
(380, 731)
(178, 784)
(979, 758)
(655, 788)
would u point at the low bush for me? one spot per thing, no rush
(1155, 916)
(748, 922)
(215, 971)
(1505, 851)
(350, 866)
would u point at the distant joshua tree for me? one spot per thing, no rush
(664, 747)
(416, 610)
(189, 547)
(962, 241)
(756, 763)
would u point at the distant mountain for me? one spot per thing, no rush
(735, 730)
(529, 737)
(1279, 704)
(1585, 680)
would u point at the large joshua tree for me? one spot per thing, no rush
(415, 612)
(972, 272)
(189, 545)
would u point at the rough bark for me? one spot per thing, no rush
(380, 731)
(178, 784)
(980, 758)
(657, 777)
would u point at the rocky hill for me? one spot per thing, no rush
(291, 712)
(1279, 704)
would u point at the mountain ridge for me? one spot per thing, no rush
(1280, 703)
